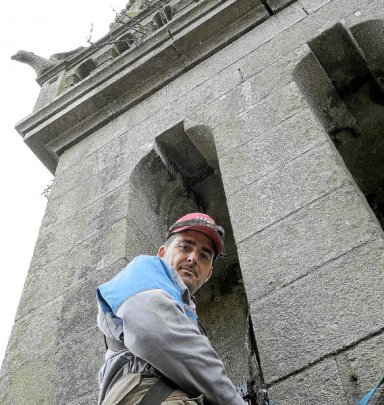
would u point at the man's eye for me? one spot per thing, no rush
(205, 256)
(183, 246)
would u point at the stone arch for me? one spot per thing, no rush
(181, 174)
(122, 44)
(81, 72)
(342, 78)
(85, 69)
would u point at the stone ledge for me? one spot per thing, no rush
(128, 79)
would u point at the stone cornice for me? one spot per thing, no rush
(185, 41)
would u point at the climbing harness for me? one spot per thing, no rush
(159, 391)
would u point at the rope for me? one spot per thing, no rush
(365, 400)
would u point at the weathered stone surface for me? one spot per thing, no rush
(59, 343)
(270, 151)
(363, 12)
(250, 98)
(108, 131)
(32, 337)
(370, 41)
(310, 6)
(322, 312)
(5, 382)
(115, 150)
(253, 59)
(120, 139)
(367, 360)
(277, 5)
(221, 70)
(49, 90)
(202, 138)
(117, 127)
(318, 385)
(79, 310)
(235, 129)
(264, 56)
(155, 125)
(180, 89)
(299, 34)
(291, 186)
(139, 242)
(183, 89)
(86, 399)
(75, 200)
(96, 217)
(151, 226)
(207, 92)
(79, 362)
(123, 240)
(93, 253)
(245, 101)
(270, 78)
(316, 234)
(65, 180)
(127, 78)
(191, 45)
(226, 319)
(378, 396)
(351, 390)
(32, 382)
(41, 287)
(96, 187)
(252, 14)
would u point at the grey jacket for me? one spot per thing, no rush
(149, 308)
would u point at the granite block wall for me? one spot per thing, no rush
(309, 247)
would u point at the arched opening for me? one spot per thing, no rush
(122, 44)
(342, 79)
(180, 174)
(85, 69)
(81, 72)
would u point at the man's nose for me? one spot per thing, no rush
(192, 257)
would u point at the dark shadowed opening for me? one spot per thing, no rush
(180, 175)
(343, 81)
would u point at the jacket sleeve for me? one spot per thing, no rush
(157, 330)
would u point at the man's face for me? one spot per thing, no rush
(191, 255)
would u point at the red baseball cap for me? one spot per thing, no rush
(203, 223)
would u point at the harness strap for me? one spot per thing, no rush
(159, 391)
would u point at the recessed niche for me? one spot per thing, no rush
(342, 80)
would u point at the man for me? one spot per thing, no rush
(148, 317)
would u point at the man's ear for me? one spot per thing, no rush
(161, 251)
(209, 276)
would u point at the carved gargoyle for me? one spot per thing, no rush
(40, 64)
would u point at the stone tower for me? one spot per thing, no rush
(267, 115)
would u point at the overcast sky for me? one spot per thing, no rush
(44, 27)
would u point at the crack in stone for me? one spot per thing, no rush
(326, 356)
(295, 211)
